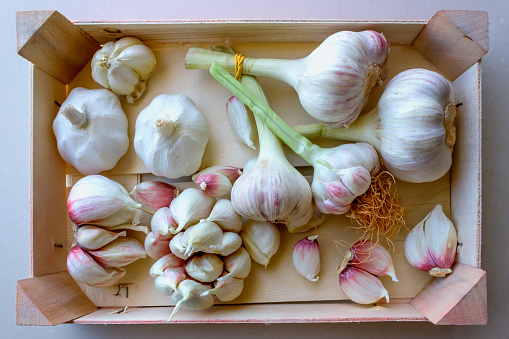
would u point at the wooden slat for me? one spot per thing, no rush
(53, 43)
(50, 300)
(454, 40)
(458, 299)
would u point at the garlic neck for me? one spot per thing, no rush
(165, 126)
(372, 78)
(75, 116)
(449, 124)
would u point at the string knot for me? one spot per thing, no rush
(239, 61)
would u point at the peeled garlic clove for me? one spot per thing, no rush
(261, 240)
(232, 173)
(92, 238)
(100, 201)
(178, 247)
(373, 258)
(83, 268)
(120, 252)
(169, 260)
(157, 245)
(230, 243)
(201, 236)
(162, 221)
(361, 287)
(237, 264)
(225, 216)
(153, 195)
(216, 185)
(306, 258)
(204, 268)
(226, 289)
(188, 295)
(191, 206)
(167, 283)
(240, 124)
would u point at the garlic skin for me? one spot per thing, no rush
(92, 238)
(306, 258)
(100, 201)
(373, 258)
(169, 260)
(162, 221)
(83, 268)
(224, 215)
(237, 264)
(91, 130)
(214, 184)
(240, 124)
(167, 283)
(178, 247)
(171, 135)
(200, 237)
(226, 289)
(361, 287)
(261, 240)
(120, 252)
(124, 67)
(232, 173)
(229, 244)
(204, 268)
(190, 207)
(157, 245)
(154, 194)
(188, 295)
(431, 245)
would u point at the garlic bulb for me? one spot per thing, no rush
(412, 127)
(261, 240)
(118, 253)
(306, 258)
(92, 238)
(189, 295)
(171, 135)
(204, 268)
(431, 245)
(225, 216)
(100, 201)
(157, 245)
(333, 82)
(240, 123)
(362, 287)
(91, 130)
(189, 208)
(124, 66)
(154, 194)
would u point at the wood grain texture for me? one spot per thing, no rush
(50, 300)
(53, 43)
(458, 299)
(454, 40)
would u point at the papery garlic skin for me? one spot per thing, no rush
(100, 201)
(171, 135)
(232, 173)
(226, 289)
(189, 295)
(120, 252)
(124, 66)
(191, 206)
(154, 194)
(237, 264)
(261, 240)
(216, 185)
(91, 130)
(225, 216)
(204, 268)
(373, 258)
(157, 245)
(306, 258)
(83, 268)
(92, 238)
(240, 124)
(361, 287)
(169, 260)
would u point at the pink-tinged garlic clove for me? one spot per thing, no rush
(416, 250)
(216, 185)
(92, 238)
(361, 287)
(154, 194)
(83, 268)
(157, 245)
(162, 221)
(232, 173)
(169, 260)
(306, 258)
(373, 258)
(121, 252)
(167, 283)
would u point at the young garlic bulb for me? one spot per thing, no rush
(171, 135)
(91, 130)
(124, 67)
(412, 127)
(333, 82)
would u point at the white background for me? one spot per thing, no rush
(14, 155)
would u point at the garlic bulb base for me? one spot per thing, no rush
(449, 125)
(439, 272)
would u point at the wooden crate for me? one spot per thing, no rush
(452, 43)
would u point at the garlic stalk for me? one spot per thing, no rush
(100, 201)
(91, 130)
(412, 128)
(431, 245)
(337, 177)
(189, 208)
(118, 253)
(92, 238)
(306, 258)
(124, 66)
(240, 123)
(171, 135)
(261, 240)
(157, 245)
(204, 268)
(189, 295)
(333, 82)
(154, 194)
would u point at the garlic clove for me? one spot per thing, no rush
(416, 249)
(261, 240)
(306, 258)
(441, 239)
(92, 238)
(225, 216)
(157, 245)
(232, 173)
(361, 287)
(137, 228)
(373, 258)
(169, 260)
(162, 221)
(178, 247)
(188, 295)
(240, 124)
(201, 236)
(167, 283)
(230, 243)
(216, 185)
(120, 252)
(226, 289)
(153, 195)
(140, 58)
(122, 79)
(315, 221)
(83, 268)
(204, 268)
(191, 206)
(237, 264)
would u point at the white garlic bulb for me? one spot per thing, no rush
(171, 135)
(124, 66)
(91, 130)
